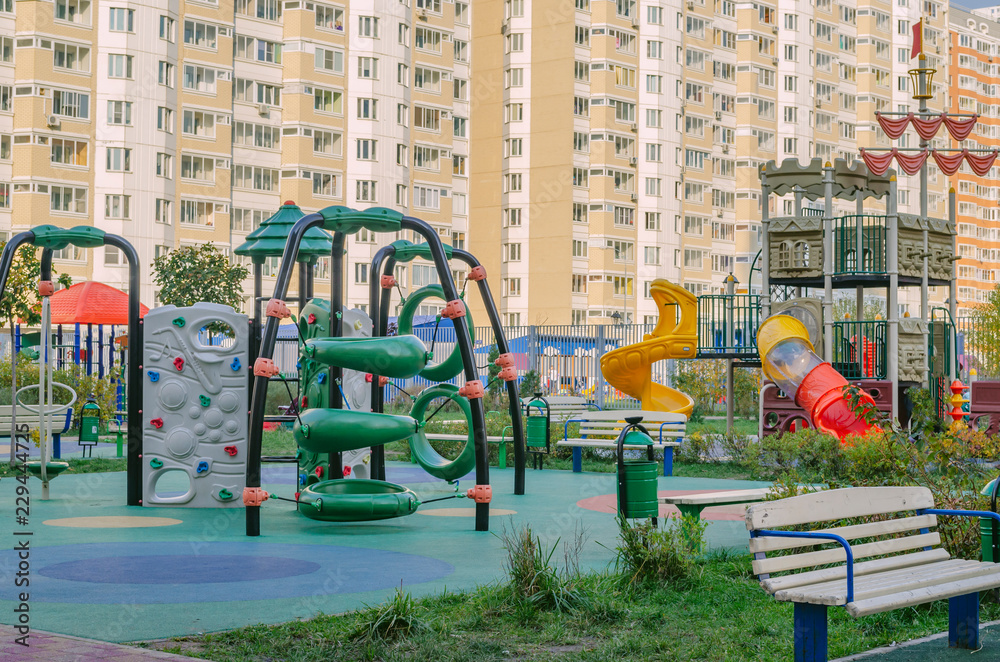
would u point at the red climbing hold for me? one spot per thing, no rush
(319, 472)
(305, 402)
(347, 472)
(368, 378)
(297, 495)
(157, 423)
(312, 318)
(179, 363)
(231, 450)
(383, 380)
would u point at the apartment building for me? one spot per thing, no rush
(974, 58)
(183, 123)
(620, 141)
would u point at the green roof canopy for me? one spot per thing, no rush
(270, 238)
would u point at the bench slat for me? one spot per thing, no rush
(854, 532)
(709, 498)
(886, 583)
(775, 584)
(920, 596)
(597, 443)
(440, 436)
(838, 555)
(647, 416)
(837, 504)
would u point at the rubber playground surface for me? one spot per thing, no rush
(103, 570)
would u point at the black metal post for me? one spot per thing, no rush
(468, 358)
(336, 400)
(380, 318)
(514, 401)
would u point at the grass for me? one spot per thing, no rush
(722, 616)
(718, 426)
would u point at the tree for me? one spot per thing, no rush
(20, 296)
(983, 338)
(199, 273)
(874, 307)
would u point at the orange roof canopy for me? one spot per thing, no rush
(91, 303)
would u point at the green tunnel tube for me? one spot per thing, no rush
(341, 430)
(397, 357)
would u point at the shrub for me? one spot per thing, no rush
(532, 580)
(395, 619)
(658, 556)
(531, 383)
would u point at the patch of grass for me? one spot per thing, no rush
(726, 617)
(718, 426)
(77, 466)
(396, 619)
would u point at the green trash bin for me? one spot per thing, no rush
(637, 498)
(986, 529)
(90, 421)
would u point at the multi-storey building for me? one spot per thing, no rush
(183, 124)
(974, 58)
(674, 109)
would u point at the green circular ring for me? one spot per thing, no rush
(421, 449)
(451, 366)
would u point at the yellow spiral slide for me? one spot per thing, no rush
(675, 337)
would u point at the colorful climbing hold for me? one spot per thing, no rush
(202, 467)
(347, 471)
(157, 423)
(312, 318)
(179, 363)
(231, 450)
(178, 321)
(156, 463)
(319, 472)
(303, 478)
(305, 402)
(235, 365)
(153, 376)
(321, 377)
(205, 400)
(225, 494)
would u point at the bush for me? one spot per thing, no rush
(395, 619)
(532, 580)
(531, 383)
(648, 555)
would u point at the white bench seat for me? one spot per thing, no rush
(693, 504)
(563, 407)
(60, 425)
(600, 429)
(907, 567)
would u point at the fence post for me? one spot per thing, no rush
(533, 350)
(598, 375)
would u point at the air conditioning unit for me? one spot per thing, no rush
(504, 26)
(632, 127)
(52, 120)
(635, 24)
(774, 29)
(633, 161)
(719, 213)
(774, 61)
(690, 4)
(718, 115)
(725, 149)
(634, 198)
(422, 14)
(819, 103)
(263, 109)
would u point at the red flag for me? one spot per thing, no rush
(918, 39)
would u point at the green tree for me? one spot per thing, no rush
(199, 273)
(983, 338)
(873, 307)
(20, 296)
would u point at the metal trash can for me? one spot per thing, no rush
(90, 422)
(986, 528)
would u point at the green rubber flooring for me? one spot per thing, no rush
(128, 584)
(935, 649)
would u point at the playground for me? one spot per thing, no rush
(562, 485)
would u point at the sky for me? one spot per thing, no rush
(975, 4)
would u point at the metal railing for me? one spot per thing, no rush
(728, 324)
(859, 349)
(859, 235)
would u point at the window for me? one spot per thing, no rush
(255, 178)
(695, 59)
(200, 168)
(694, 225)
(582, 36)
(461, 51)
(119, 159)
(120, 113)
(427, 40)
(328, 101)
(368, 67)
(167, 28)
(514, 78)
(68, 199)
(512, 252)
(116, 206)
(459, 126)
(515, 42)
(69, 152)
(512, 217)
(580, 177)
(653, 220)
(365, 191)
(581, 107)
(426, 158)
(165, 119)
(199, 79)
(366, 149)
(7, 50)
(654, 186)
(268, 10)
(198, 123)
(428, 80)
(428, 119)
(580, 212)
(329, 18)
(72, 57)
(198, 212)
(120, 20)
(257, 135)
(71, 104)
(361, 273)
(694, 92)
(579, 284)
(512, 287)
(368, 27)
(162, 211)
(458, 168)
(461, 89)
(164, 165)
(512, 182)
(402, 114)
(73, 11)
(654, 118)
(166, 74)
(654, 152)
(651, 255)
(427, 198)
(513, 8)
(325, 184)
(462, 13)
(367, 109)
(201, 35)
(326, 59)
(624, 251)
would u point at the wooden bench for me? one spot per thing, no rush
(61, 424)
(600, 429)
(911, 567)
(563, 407)
(693, 504)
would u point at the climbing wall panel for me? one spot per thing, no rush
(194, 406)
